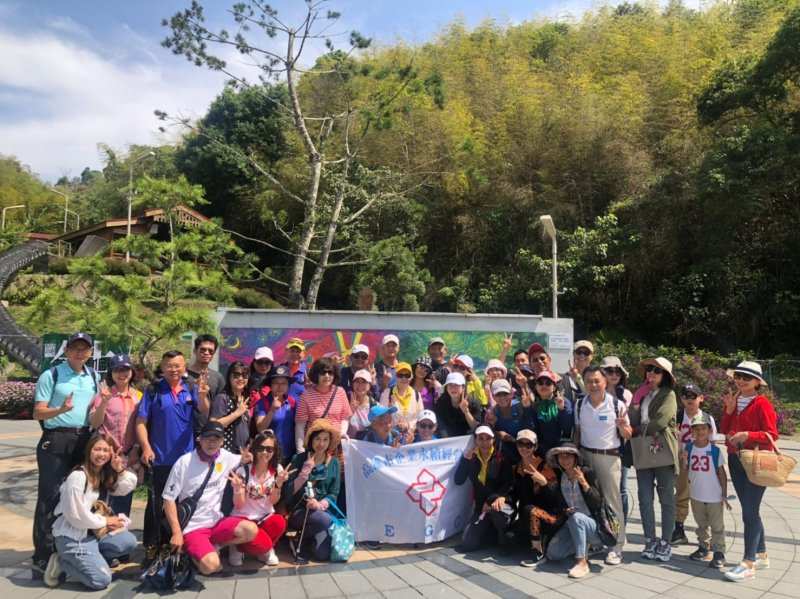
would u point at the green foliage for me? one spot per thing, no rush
(251, 298)
(393, 271)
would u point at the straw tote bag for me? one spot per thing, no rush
(767, 468)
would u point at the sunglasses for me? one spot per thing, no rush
(544, 382)
(403, 375)
(238, 375)
(542, 358)
(326, 372)
(743, 377)
(426, 425)
(689, 397)
(264, 362)
(612, 370)
(582, 352)
(264, 449)
(654, 369)
(360, 356)
(525, 444)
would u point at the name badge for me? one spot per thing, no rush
(602, 418)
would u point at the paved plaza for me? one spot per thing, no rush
(437, 571)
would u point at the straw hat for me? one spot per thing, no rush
(662, 363)
(323, 424)
(748, 367)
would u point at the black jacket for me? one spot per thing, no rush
(499, 478)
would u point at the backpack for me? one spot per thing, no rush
(715, 454)
(579, 405)
(54, 375)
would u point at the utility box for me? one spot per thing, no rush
(335, 332)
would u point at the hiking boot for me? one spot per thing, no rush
(718, 561)
(679, 535)
(701, 555)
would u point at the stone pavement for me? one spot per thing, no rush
(436, 571)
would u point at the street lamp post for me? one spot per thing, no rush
(550, 229)
(3, 226)
(130, 200)
(66, 205)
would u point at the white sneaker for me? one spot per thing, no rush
(53, 571)
(235, 557)
(272, 558)
(740, 573)
(762, 563)
(613, 558)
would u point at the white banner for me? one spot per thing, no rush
(406, 495)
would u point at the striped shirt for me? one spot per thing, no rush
(313, 403)
(742, 403)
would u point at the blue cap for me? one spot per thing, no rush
(120, 361)
(85, 337)
(378, 411)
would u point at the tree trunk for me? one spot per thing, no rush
(307, 234)
(330, 237)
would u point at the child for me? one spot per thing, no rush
(708, 488)
(426, 427)
(691, 399)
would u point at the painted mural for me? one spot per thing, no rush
(241, 343)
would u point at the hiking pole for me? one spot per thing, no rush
(309, 495)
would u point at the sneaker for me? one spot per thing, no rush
(718, 560)
(272, 558)
(235, 557)
(613, 559)
(649, 551)
(53, 571)
(740, 573)
(535, 558)
(579, 570)
(762, 563)
(663, 551)
(701, 555)
(679, 535)
(371, 544)
(38, 566)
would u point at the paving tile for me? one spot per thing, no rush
(384, 579)
(548, 579)
(551, 594)
(320, 585)
(519, 583)
(580, 590)
(438, 590)
(437, 571)
(286, 587)
(449, 563)
(412, 574)
(684, 592)
(406, 593)
(373, 595)
(636, 579)
(786, 588)
(482, 561)
(252, 588)
(352, 583)
(470, 590)
(617, 587)
(219, 589)
(719, 586)
(22, 587)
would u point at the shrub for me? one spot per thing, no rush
(16, 399)
(250, 298)
(57, 266)
(703, 368)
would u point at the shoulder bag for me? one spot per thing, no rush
(766, 468)
(343, 539)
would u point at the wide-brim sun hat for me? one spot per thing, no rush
(455, 378)
(323, 424)
(552, 455)
(748, 367)
(661, 362)
(613, 362)
(495, 363)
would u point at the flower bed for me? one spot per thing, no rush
(16, 400)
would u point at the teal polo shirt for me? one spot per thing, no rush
(83, 390)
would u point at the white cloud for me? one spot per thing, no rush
(82, 98)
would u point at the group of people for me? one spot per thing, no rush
(237, 460)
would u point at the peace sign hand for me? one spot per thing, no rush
(508, 342)
(283, 475)
(117, 461)
(105, 392)
(236, 481)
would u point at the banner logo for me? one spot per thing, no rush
(427, 492)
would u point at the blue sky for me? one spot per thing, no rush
(79, 72)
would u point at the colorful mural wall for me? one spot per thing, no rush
(241, 343)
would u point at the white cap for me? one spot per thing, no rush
(455, 378)
(484, 430)
(495, 363)
(264, 353)
(359, 348)
(583, 343)
(465, 360)
(363, 374)
(427, 415)
(501, 386)
(388, 338)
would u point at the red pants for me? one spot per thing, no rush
(269, 531)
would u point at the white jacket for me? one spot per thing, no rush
(74, 509)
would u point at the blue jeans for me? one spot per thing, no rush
(316, 533)
(573, 537)
(623, 490)
(750, 497)
(86, 561)
(663, 478)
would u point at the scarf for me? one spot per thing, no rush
(484, 471)
(204, 457)
(546, 410)
(404, 400)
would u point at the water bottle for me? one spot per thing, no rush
(309, 490)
